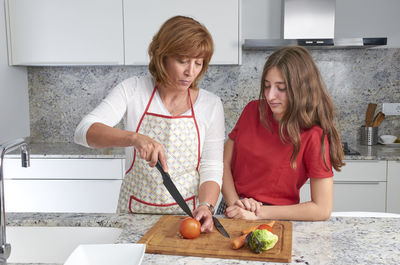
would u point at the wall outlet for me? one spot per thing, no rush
(391, 108)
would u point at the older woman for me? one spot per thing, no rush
(166, 117)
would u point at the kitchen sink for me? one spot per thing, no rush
(34, 244)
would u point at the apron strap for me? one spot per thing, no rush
(140, 122)
(197, 129)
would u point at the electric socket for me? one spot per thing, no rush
(391, 108)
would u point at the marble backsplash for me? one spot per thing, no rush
(60, 96)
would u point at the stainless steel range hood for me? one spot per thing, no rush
(311, 23)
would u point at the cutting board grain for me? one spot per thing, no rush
(164, 238)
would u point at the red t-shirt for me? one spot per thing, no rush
(261, 162)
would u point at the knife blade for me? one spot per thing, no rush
(220, 228)
(167, 181)
(169, 184)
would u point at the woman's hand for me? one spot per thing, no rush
(249, 204)
(204, 216)
(237, 212)
(150, 150)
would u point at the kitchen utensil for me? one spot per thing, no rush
(173, 190)
(220, 227)
(369, 135)
(370, 114)
(164, 238)
(167, 181)
(378, 119)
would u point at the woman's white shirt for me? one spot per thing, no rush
(128, 101)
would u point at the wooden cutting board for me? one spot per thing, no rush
(164, 238)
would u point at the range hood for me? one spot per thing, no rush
(311, 23)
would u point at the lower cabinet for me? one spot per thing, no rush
(393, 187)
(93, 185)
(360, 186)
(63, 185)
(88, 196)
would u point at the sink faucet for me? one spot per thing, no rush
(5, 249)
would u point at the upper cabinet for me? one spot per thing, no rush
(14, 98)
(144, 18)
(65, 32)
(110, 32)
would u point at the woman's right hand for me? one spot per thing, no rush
(150, 150)
(249, 204)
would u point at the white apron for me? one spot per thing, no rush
(142, 189)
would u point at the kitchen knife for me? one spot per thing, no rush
(167, 181)
(220, 228)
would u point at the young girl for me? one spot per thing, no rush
(280, 140)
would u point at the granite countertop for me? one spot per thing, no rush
(72, 150)
(340, 240)
(377, 152)
(69, 150)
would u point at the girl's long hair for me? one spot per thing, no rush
(308, 103)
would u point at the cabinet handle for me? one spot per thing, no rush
(357, 182)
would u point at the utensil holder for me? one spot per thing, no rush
(369, 135)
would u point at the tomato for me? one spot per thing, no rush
(265, 226)
(190, 228)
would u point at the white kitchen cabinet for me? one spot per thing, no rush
(63, 185)
(110, 32)
(144, 18)
(14, 100)
(65, 32)
(360, 186)
(393, 187)
(86, 196)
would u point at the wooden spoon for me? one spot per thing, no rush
(378, 119)
(370, 114)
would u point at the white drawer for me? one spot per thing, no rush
(393, 187)
(65, 169)
(362, 170)
(86, 196)
(368, 196)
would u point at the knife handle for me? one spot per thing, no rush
(159, 167)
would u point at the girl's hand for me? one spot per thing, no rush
(204, 216)
(150, 150)
(249, 204)
(237, 212)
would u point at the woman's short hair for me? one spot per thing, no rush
(181, 37)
